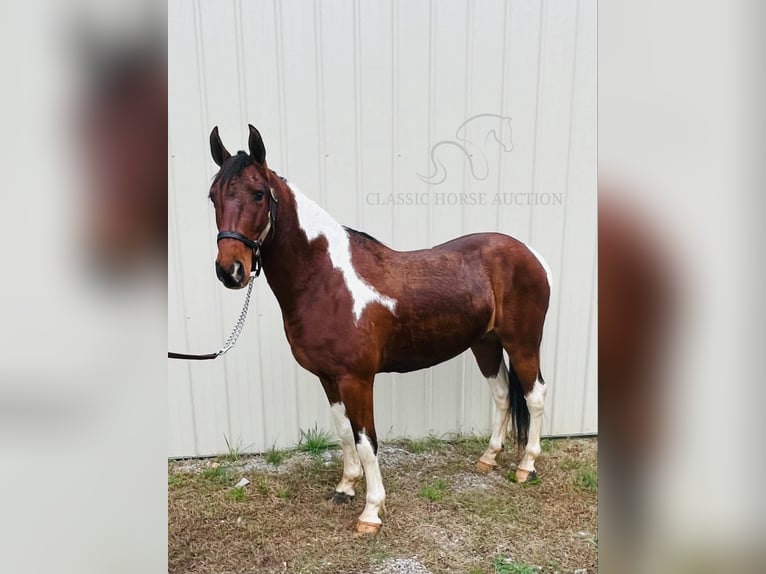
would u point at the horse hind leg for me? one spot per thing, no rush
(489, 356)
(527, 382)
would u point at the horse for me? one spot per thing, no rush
(473, 149)
(353, 307)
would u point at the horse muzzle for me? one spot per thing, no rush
(233, 277)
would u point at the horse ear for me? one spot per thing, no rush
(220, 154)
(255, 143)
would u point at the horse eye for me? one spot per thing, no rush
(258, 195)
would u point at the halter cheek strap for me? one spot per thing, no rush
(255, 245)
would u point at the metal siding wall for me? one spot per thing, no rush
(350, 98)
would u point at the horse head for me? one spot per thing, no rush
(242, 196)
(503, 134)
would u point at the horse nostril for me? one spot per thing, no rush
(219, 271)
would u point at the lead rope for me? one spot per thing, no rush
(235, 332)
(232, 340)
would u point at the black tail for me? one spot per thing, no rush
(519, 410)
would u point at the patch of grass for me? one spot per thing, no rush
(503, 566)
(315, 441)
(262, 485)
(570, 464)
(547, 445)
(237, 494)
(285, 493)
(472, 444)
(218, 474)
(235, 450)
(427, 444)
(274, 455)
(434, 491)
(587, 478)
(174, 480)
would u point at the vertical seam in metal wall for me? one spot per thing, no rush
(178, 263)
(394, 159)
(567, 200)
(466, 108)
(200, 46)
(540, 49)
(244, 102)
(279, 38)
(431, 36)
(358, 136)
(506, 18)
(318, 62)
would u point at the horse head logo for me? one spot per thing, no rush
(472, 138)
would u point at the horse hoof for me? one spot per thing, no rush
(523, 476)
(341, 497)
(485, 467)
(366, 529)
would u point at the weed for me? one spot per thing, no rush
(427, 444)
(285, 493)
(587, 478)
(234, 450)
(275, 456)
(546, 445)
(218, 474)
(262, 485)
(237, 494)
(503, 566)
(434, 491)
(472, 444)
(174, 480)
(315, 441)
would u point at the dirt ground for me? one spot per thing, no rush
(442, 515)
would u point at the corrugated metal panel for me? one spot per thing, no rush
(351, 98)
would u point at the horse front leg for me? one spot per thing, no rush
(352, 467)
(356, 397)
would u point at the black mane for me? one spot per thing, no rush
(232, 167)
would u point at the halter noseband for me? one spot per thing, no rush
(255, 245)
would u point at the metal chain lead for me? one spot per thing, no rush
(232, 340)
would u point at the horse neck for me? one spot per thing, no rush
(289, 261)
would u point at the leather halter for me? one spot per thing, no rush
(255, 245)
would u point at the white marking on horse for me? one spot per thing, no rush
(352, 468)
(536, 404)
(315, 221)
(376, 494)
(498, 386)
(544, 263)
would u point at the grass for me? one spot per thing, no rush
(315, 441)
(234, 450)
(587, 478)
(262, 485)
(434, 491)
(431, 443)
(503, 566)
(217, 474)
(274, 455)
(440, 512)
(237, 494)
